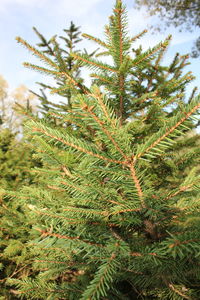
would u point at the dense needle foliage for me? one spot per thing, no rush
(116, 210)
(17, 164)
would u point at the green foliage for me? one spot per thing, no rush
(15, 162)
(115, 213)
(15, 169)
(59, 57)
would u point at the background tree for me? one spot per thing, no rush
(61, 54)
(184, 14)
(107, 228)
(17, 161)
(9, 118)
(3, 95)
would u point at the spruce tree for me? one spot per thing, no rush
(16, 163)
(116, 212)
(61, 55)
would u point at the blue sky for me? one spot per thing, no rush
(17, 17)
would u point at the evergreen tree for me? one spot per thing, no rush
(16, 163)
(117, 208)
(61, 55)
(14, 172)
(8, 115)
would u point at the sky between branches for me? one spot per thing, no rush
(17, 17)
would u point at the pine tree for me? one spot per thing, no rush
(117, 209)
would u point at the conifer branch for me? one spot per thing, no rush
(108, 33)
(118, 39)
(85, 211)
(160, 56)
(115, 202)
(94, 63)
(95, 39)
(172, 99)
(71, 117)
(136, 254)
(56, 188)
(150, 52)
(181, 189)
(40, 287)
(37, 53)
(72, 186)
(100, 77)
(44, 42)
(65, 237)
(138, 36)
(124, 211)
(99, 97)
(90, 111)
(100, 284)
(169, 131)
(59, 249)
(71, 220)
(192, 94)
(103, 53)
(72, 81)
(180, 293)
(41, 69)
(79, 148)
(67, 172)
(51, 261)
(137, 184)
(121, 98)
(119, 15)
(83, 88)
(57, 74)
(145, 97)
(178, 243)
(60, 89)
(139, 254)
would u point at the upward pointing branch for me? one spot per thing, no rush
(119, 12)
(137, 184)
(77, 147)
(98, 121)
